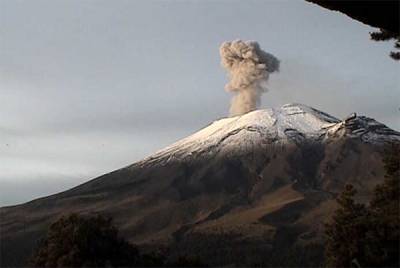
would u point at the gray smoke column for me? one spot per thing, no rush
(248, 67)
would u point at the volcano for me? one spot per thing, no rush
(244, 190)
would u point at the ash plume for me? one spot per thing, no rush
(248, 68)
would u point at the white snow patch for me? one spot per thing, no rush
(237, 133)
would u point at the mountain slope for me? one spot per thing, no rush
(247, 185)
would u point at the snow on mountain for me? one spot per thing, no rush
(268, 177)
(291, 122)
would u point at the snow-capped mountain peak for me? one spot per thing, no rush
(289, 123)
(248, 176)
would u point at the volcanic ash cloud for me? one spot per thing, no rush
(248, 67)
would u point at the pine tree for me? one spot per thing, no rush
(384, 227)
(82, 241)
(345, 232)
(76, 241)
(384, 35)
(368, 236)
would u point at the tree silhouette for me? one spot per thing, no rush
(76, 241)
(383, 236)
(368, 236)
(383, 15)
(346, 232)
(384, 35)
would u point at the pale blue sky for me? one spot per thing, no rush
(87, 87)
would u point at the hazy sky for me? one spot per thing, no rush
(87, 87)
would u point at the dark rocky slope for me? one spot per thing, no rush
(253, 189)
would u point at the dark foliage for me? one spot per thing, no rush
(383, 237)
(345, 234)
(368, 236)
(384, 35)
(380, 14)
(77, 241)
(376, 13)
(186, 261)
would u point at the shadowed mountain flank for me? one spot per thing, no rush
(261, 182)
